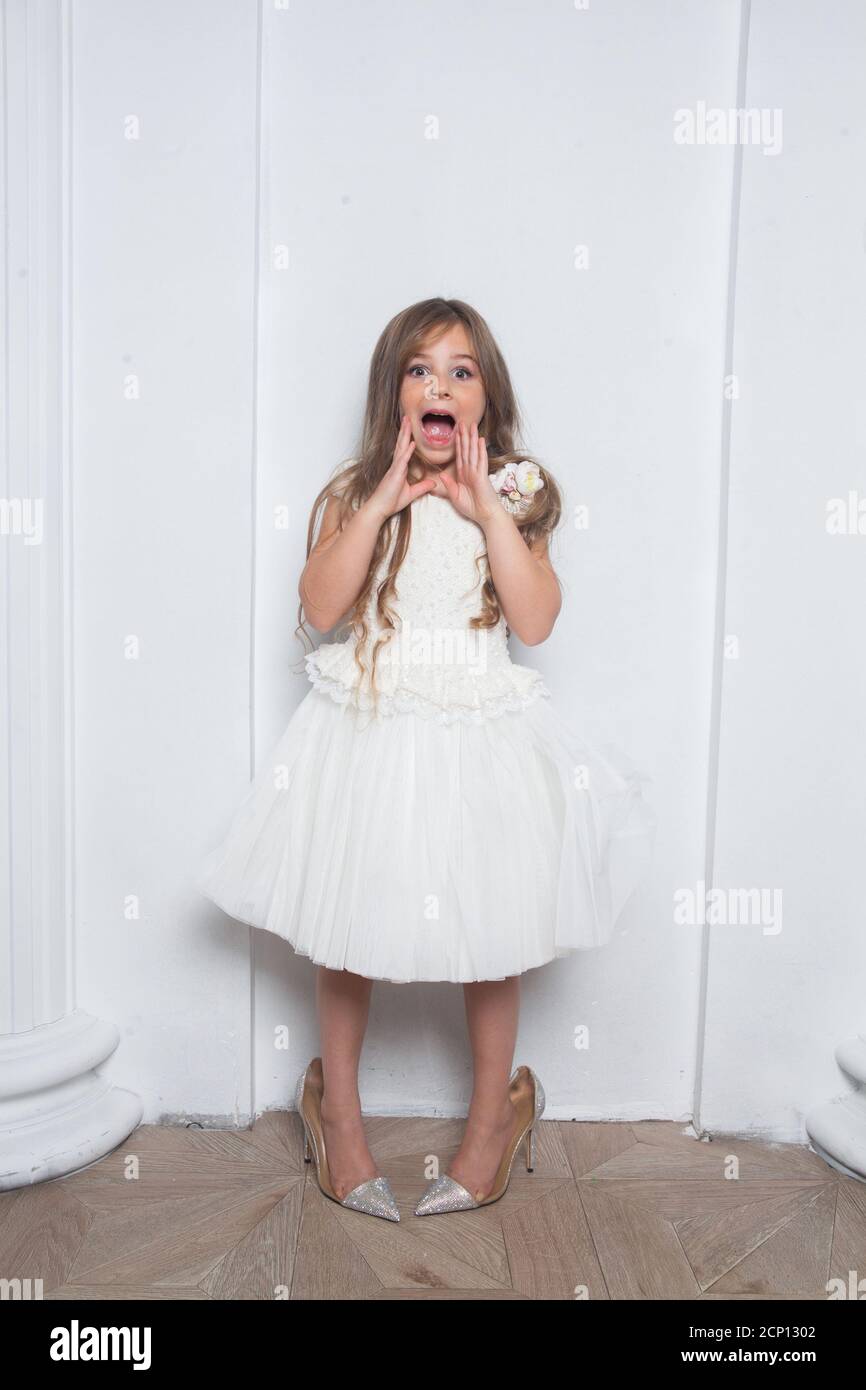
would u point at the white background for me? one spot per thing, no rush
(307, 128)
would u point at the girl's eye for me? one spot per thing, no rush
(417, 367)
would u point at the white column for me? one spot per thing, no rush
(837, 1129)
(57, 1114)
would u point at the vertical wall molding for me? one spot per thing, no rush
(56, 1113)
(718, 653)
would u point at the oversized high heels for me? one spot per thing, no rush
(373, 1196)
(447, 1194)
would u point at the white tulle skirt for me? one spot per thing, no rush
(403, 849)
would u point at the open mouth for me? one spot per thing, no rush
(437, 427)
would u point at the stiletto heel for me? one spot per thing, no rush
(447, 1194)
(373, 1196)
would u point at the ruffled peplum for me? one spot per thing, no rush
(447, 691)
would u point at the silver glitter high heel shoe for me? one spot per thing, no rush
(373, 1196)
(447, 1194)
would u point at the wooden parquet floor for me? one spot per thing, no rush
(612, 1211)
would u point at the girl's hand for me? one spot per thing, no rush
(470, 490)
(394, 492)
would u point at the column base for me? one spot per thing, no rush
(837, 1128)
(57, 1115)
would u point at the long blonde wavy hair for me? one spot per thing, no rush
(354, 482)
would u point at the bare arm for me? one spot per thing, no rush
(524, 579)
(337, 565)
(340, 560)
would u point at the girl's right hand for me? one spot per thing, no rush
(394, 492)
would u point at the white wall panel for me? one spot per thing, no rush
(305, 128)
(792, 754)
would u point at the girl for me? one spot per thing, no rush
(427, 814)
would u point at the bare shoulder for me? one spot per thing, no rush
(540, 548)
(332, 523)
(336, 514)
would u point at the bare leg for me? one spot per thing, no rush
(344, 1005)
(492, 1009)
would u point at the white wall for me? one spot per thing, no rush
(793, 757)
(163, 239)
(555, 129)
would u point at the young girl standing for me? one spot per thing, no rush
(427, 813)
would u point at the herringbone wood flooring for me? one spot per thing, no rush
(612, 1211)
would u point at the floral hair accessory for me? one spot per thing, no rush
(517, 484)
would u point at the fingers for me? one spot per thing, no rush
(450, 486)
(405, 442)
(473, 452)
(419, 489)
(404, 445)
(471, 455)
(462, 461)
(480, 454)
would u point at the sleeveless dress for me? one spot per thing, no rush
(448, 825)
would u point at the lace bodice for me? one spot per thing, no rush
(434, 663)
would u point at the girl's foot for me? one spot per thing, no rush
(349, 1159)
(485, 1141)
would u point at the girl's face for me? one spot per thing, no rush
(442, 387)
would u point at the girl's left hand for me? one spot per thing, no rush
(470, 490)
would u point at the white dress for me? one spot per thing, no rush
(457, 829)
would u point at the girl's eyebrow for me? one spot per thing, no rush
(455, 356)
